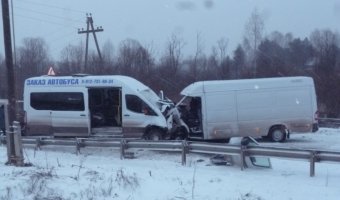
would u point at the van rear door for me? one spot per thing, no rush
(70, 115)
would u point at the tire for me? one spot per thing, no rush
(277, 134)
(154, 134)
(181, 135)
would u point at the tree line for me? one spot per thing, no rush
(258, 56)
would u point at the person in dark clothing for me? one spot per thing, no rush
(2, 119)
(195, 115)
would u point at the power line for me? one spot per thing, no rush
(58, 39)
(50, 33)
(63, 36)
(47, 14)
(90, 29)
(42, 20)
(52, 6)
(69, 24)
(55, 31)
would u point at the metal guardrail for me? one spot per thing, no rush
(185, 147)
(329, 122)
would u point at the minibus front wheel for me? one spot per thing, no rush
(154, 134)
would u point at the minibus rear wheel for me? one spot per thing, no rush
(277, 134)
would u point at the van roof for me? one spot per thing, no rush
(198, 88)
(85, 81)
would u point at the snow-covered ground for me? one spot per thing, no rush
(101, 174)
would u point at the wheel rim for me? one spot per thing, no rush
(277, 135)
(154, 137)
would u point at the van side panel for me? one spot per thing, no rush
(221, 115)
(38, 122)
(139, 115)
(79, 117)
(256, 109)
(57, 111)
(259, 110)
(297, 110)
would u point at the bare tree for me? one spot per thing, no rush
(71, 59)
(195, 64)
(108, 52)
(173, 53)
(170, 67)
(33, 58)
(108, 55)
(133, 59)
(326, 45)
(300, 55)
(222, 45)
(239, 61)
(254, 29)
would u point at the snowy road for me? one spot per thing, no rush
(324, 139)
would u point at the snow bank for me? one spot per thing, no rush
(100, 174)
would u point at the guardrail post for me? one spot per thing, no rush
(10, 145)
(18, 144)
(312, 164)
(3, 139)
(242, 157)
(123, 146)
(14, 145)
(79, 144)
(38, 144)
(185, 147)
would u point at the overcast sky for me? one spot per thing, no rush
(152, 22)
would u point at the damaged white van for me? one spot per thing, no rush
(84, 105)
(272, 107)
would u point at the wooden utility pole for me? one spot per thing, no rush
(9, 60)
(90, 29)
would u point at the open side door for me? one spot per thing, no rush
(105, 107)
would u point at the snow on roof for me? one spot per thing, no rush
(198, 88)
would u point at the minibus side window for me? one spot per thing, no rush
(58, 101)
(135, 104)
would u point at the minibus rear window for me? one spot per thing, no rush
(58, 101)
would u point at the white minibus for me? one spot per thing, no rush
(84, 105)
